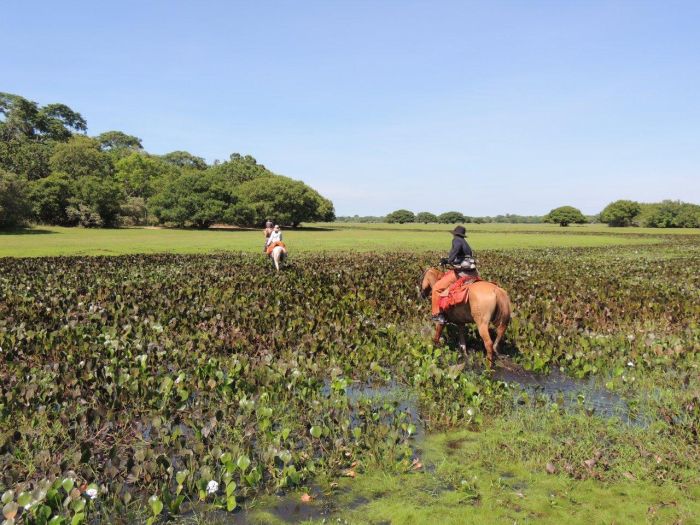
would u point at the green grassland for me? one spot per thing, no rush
(55, 241)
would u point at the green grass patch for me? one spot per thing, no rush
(56, 241)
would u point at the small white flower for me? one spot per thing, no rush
(91, 492)
(630, 364)
(212, 487)
(470, 412)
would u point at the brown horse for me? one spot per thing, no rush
(487, 303)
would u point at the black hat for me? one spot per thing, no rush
(459, 230)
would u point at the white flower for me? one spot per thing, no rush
(470, 412)
(630, 364)
(212, 487)
(91, 492)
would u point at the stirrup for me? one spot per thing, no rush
(439, 318)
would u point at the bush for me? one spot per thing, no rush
(674, 214)
(85, 216)
(15, 208)
(401, 217)
(565, 215)
(425, 217)
(133, 212)
(620, 213)
(451, 217)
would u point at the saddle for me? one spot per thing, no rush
(458, 292)
(275, 245)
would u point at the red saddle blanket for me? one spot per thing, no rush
(458, 292)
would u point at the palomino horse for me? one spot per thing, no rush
(279, 253)
(487, 303)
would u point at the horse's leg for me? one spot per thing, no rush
(486, 337)
(462, 329)
(500, 332)
(438, 333)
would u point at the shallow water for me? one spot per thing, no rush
(556, 387)
(568, 392)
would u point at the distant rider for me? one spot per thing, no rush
(274, 239)
(267, 231)
(460, 250)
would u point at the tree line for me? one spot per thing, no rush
(52, 172)
(665, 214)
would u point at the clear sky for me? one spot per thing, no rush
(482, 107)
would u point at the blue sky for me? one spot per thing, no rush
(481, 107)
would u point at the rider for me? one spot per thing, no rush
(274, 238)
(267, 231)
(460, 250)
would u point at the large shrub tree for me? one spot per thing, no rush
(451, 217)
(400, 217)
(425, 217)
(284, 200)
(620, 213)
(565, 215)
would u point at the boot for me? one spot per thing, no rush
(439, 318)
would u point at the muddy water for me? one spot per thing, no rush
(554, 387)
(557, 387)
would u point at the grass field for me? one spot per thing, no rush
(53, 241)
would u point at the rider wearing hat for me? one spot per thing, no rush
(460, 250)
(267, 231)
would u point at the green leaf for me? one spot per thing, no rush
(24, 499)
(181, 476)
(231, 503)
(68, 484)
(315, 431)
(78, 519)
(8, 496)
(230, 488)
(243, 462)
(156, 505)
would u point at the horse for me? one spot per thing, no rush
(487, 303)
(279, 255)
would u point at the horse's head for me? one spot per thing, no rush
(428, 280)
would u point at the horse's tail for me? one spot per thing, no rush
(502, 317)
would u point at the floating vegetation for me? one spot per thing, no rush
(139, 388)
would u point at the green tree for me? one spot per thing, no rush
(22, 118)
(193, 199)
(81, 156)
(239, 169)
(674, 214)
(401, 217)
(184, 159)
(29, 158)
(565, 215)
(620, 213)
(28, 133)
(141, 174)
(285, 200)
(15, 208)
(104, 196)
(50, 197)
(118, 143)
(451, 217)
(425, 217)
